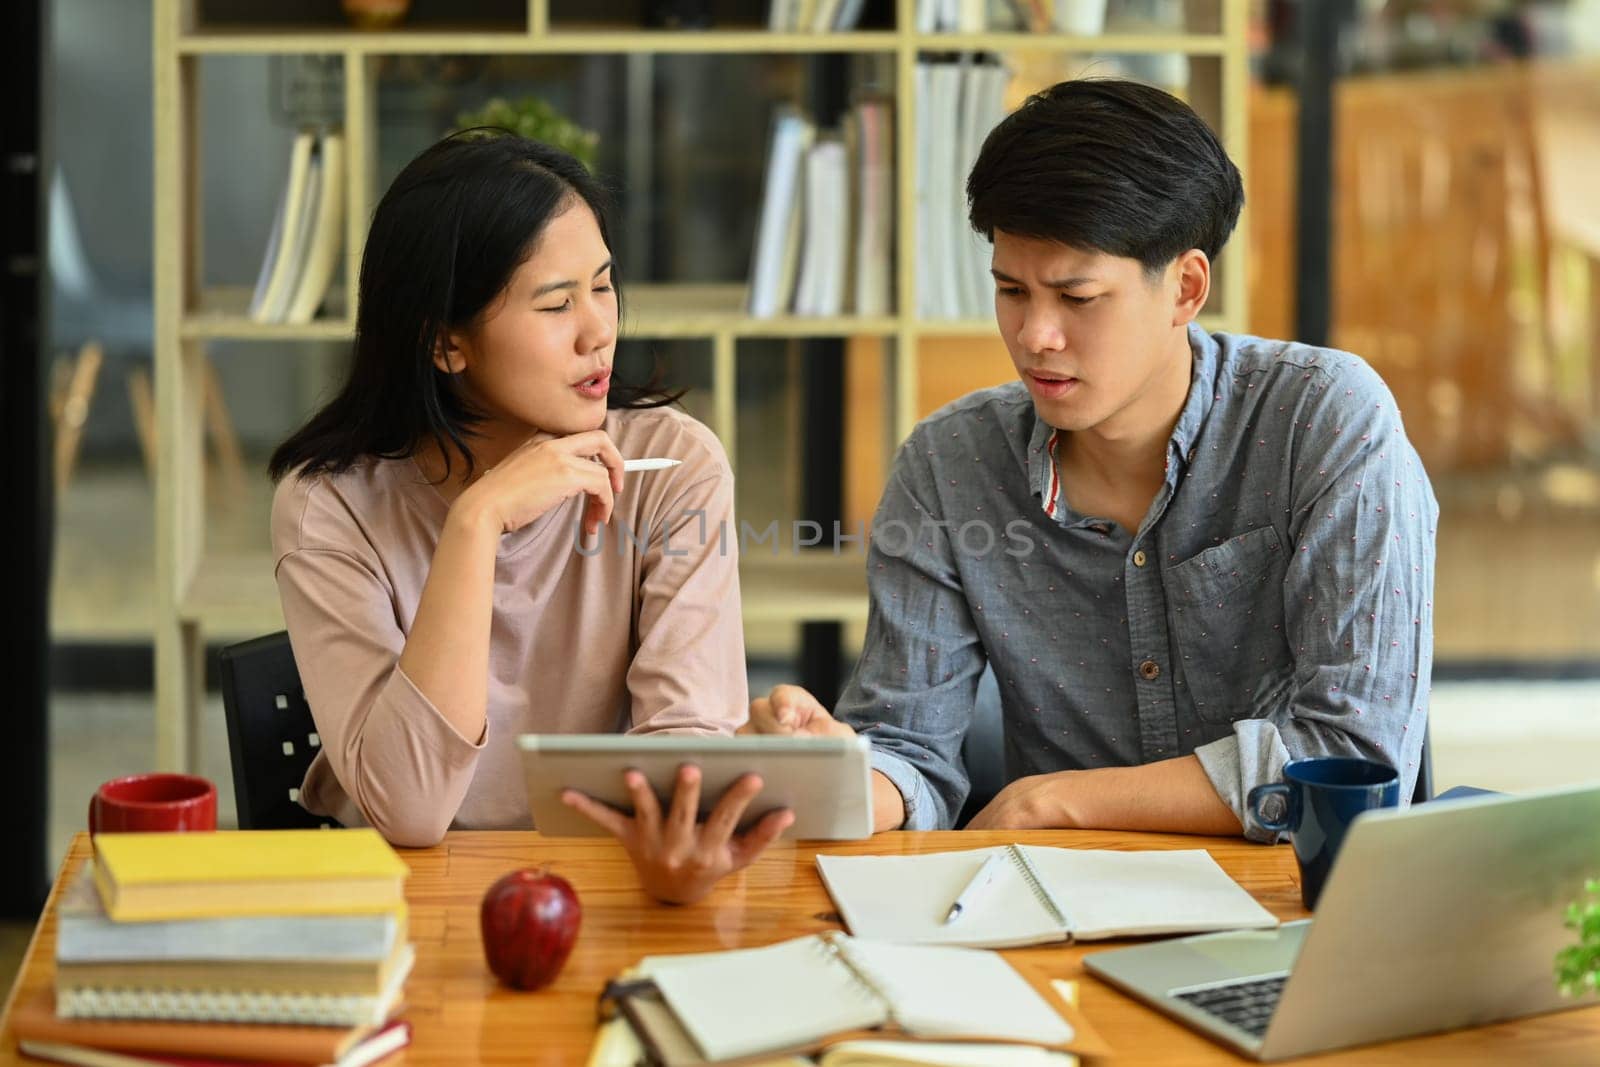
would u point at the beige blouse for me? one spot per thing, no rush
(643, 636)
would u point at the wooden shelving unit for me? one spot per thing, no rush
(197, 595)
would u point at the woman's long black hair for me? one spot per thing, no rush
(443, 244)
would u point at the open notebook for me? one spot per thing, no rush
(801, 994)
(1041, 895)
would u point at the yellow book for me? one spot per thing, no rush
(247, 872)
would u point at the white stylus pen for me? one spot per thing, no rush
(980, 881)
(631, 465)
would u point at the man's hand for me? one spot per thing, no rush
(678, 859)
(1032, 803)
(791, 710)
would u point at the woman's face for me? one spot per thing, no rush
(539, 356)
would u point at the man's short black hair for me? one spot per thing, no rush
(1111, 166)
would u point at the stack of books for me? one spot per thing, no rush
(814, 16)
(307, 232)
(824, 243)
(276, 947)
(958, 103)
(979, 16)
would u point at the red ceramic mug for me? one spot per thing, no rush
(142, 803)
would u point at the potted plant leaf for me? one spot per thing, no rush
(536, 120)
(1578, 966)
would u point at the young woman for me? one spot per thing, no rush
(435, 527)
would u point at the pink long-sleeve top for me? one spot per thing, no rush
(642, 636)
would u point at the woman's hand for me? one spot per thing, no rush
(793, 710)
(542, 472)
(678, 859)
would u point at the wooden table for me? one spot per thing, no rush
(461, 1016)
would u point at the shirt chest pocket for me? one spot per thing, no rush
(1226, 616)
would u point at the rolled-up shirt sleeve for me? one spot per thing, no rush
(395, 755)
(1357, 597)
(915, 684)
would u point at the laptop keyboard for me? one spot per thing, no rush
(1248, 1005)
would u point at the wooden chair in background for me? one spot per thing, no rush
(88, 318)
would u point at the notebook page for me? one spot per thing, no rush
(1117, 894)
(932, 1054)
(945, 991)
(755, 1000)
(905, 898)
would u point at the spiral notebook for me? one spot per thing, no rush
(1042, 895)
(799, 995)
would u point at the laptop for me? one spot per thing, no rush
(1433, 918)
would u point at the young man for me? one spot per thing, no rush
(1188, 557)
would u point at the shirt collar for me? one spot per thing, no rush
(1202, 392)
(1041, 459)
(1042, 473)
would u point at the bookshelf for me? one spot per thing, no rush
(201, 596)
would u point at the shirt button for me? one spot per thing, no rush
(1139, 558)
(1149, 670)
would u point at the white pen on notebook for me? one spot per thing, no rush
(651, 464)
(980, 881)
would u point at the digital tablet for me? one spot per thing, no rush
(826, 781)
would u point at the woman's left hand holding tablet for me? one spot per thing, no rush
(680, 859)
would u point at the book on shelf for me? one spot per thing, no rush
(1038, 896)
(307, 232)
(272, 294)
(850, 134)
(35, 1020)
(325, 234)
(872, 214)
(963, 100)
(1078, 17)
(824, 252)
(814, 16)
(802, 995)
(269, 259)
(247, 872)
(938, 86)
(86, 934)
(983, 89)
(824, 239)
(778, 231)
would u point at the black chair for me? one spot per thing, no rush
(983, 750)
(271, 735)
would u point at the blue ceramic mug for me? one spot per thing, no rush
(1322, 797)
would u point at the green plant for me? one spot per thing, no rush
(1578, 966)
(536, 120)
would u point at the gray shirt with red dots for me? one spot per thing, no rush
(1275, 603)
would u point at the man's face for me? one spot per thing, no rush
(1089, 333)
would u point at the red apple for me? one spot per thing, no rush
(530, 921)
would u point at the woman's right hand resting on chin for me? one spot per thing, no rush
(680, 859)
(542, 472)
